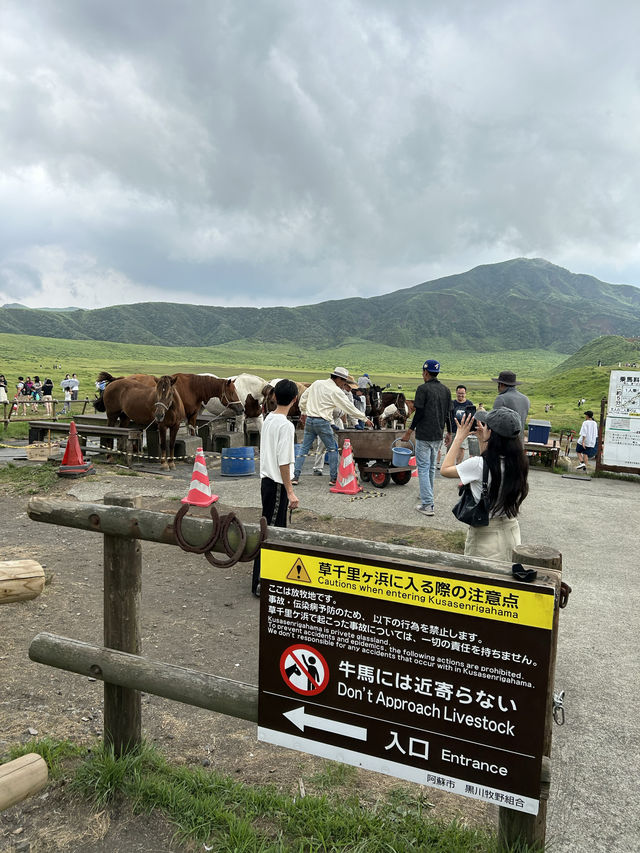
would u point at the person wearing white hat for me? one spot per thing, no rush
(317, 404)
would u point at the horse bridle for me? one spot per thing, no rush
(224, 399)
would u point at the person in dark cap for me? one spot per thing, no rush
(509, 397)
(501, 448)
(432, 405)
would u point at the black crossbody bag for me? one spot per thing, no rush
(468, 510)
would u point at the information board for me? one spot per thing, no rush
(621, 446)
(434, 676)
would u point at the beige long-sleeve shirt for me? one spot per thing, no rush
(322, 397)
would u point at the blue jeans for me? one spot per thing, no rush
(321, 428)
(426, 455)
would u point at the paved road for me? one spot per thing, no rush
(595, 799)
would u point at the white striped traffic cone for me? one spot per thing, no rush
(200, 491)
(347, 480)
(412, 463)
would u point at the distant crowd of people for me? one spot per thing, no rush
(28, 393)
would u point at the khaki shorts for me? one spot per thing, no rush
(494, 542)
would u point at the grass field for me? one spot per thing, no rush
(29, 356)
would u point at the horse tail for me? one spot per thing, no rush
(107, 377)
(98, 404)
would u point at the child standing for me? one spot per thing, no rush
(67, 402)
(277, 457)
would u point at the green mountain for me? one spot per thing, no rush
(517, 304)
(610, 350)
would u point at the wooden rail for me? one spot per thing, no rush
(131, 436)
(152, 526)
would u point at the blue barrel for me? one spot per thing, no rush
(238, 462)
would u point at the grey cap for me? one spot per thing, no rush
(342, 372)
(506, 422)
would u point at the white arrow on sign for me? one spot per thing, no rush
(300, 719)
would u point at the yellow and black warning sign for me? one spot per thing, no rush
(461, 593)
(298, 572)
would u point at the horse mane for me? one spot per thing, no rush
(103, 376)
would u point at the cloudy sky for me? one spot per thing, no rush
(283, 152)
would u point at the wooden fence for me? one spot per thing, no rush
(58, 410)
(125, 672)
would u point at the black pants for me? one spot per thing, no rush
(275, 503)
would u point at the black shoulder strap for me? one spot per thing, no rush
(485, 477)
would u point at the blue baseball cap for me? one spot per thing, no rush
(431, 366)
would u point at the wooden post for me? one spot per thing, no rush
(516, 827)
(20, 580)
(122, 590)
(603, 414)
(22, 777)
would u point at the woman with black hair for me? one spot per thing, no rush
(501, 447)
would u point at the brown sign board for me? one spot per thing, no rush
(437, 676)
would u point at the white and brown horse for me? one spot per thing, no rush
(251, 390)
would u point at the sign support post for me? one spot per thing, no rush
(514, 827)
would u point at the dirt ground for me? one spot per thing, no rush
(192, 615)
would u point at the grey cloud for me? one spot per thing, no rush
(281, 152)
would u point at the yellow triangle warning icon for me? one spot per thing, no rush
(298, 572)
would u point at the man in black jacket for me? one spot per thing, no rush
(432, 408)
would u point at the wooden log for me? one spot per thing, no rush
(516, 827)
(22, 777)
(122, 592)
(20, 580)
(189, 686)
(158, 527)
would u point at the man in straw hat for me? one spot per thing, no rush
(317, 404)
(509, 397)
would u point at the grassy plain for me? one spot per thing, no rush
(29, 355)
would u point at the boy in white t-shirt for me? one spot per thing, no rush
(587, 445)
(277, 458)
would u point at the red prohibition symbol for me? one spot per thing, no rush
(304, 669)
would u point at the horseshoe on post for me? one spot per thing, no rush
(234, 556)
(186, 546)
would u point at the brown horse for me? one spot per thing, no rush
(270, 403)
(194, 390)
(125, 401)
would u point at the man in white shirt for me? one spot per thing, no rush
(587, 445)
(317, 404)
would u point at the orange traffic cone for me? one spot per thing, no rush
(412, 464)
(73, 464)
(200, 491)
(347, 480)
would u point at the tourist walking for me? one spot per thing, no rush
(587, 445)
